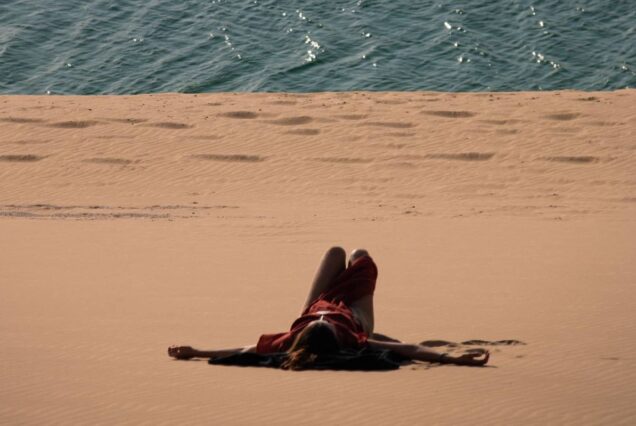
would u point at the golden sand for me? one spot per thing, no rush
(130, 223)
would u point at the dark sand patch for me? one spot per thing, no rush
(170, 125)
(396, 145)
(109, 160)
(283, 103)
(576, 159)
(601, 123)
(352, 116)
(240, 158)
(128, 120)
(400, 134)
(343, 160)
(410, 157)
(463, 156)
(80, 124)
(450, 114)
(502, 122)
(304, 132)
(241, 115)
(292, 121)
(390, 101)
(21, 158)
(21, 120)
(566, 116)
(390, 124)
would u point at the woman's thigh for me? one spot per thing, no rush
(363, 311)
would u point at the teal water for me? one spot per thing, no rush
(141, 46)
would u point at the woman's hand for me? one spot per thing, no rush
(474, 357)
(182, 352)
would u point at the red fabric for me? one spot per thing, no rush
(357, 281)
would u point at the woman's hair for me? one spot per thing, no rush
(315, 340)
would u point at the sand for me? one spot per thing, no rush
(130, 223)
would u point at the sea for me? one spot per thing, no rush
(195, 46)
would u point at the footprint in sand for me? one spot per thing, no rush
(21, 120)
(463, 156)
(565, 116)
(283, 103)
(21, 158)
(352, 116)
(241, 115)
(128, 120)
(390, 124)
(304, 132)
(292, 121)
(502, 122)
(390, 102)
(582, 159)
(396, 145)
(240, 158)
(82, 124)
(450, 114)
(109, 160)
(410, 157)
(343, 160)
(400, 134)
(170, 125)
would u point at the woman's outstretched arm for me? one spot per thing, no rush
(474, 357)
(188, 352)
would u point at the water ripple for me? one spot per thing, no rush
(102, 46)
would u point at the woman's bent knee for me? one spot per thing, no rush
(336, 252)
(358, 253)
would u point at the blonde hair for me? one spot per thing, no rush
(313, 341)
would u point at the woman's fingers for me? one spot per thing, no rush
(180, 351)
(477, 360)
(474, 357)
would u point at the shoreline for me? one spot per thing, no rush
(326, 92)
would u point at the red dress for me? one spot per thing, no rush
(357, 281)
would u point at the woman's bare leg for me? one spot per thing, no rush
(363, 308)
(331, 265)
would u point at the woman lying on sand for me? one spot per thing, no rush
(338, 314)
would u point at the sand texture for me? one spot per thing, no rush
(130, 223)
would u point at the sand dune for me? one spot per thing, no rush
(130, 223)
